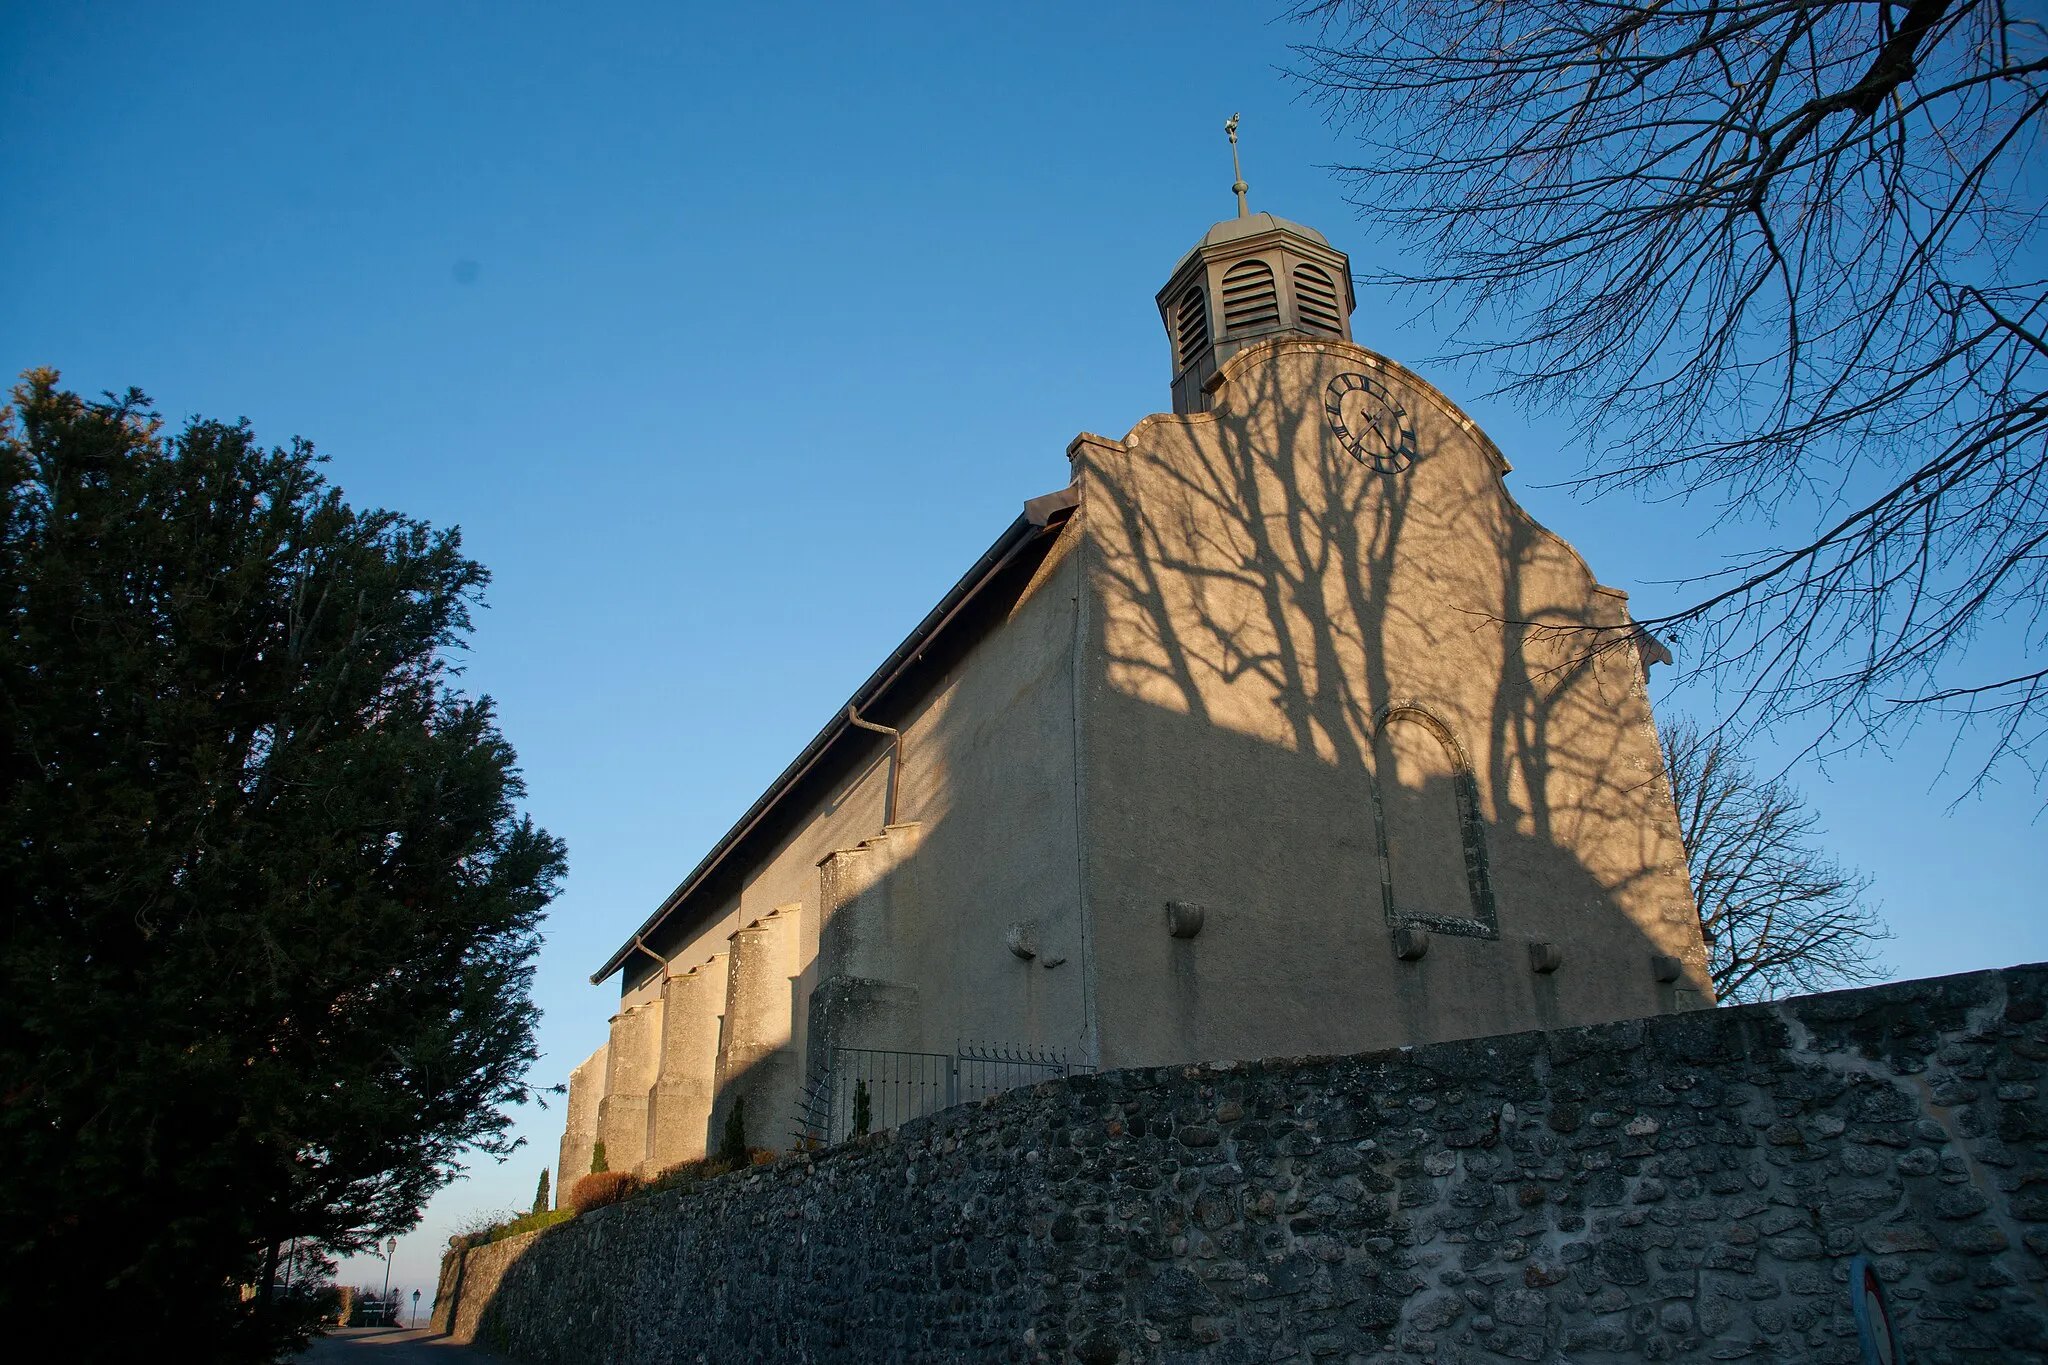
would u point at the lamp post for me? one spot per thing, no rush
(415, 1307)
(390, 1246)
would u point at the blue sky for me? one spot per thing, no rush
(730, 336)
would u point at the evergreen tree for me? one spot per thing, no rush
(270, 909)
(597, 1161)
(540, 1193)
(732, 1143)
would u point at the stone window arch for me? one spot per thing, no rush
(1432, 841)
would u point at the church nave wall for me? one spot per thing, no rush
(853, 932)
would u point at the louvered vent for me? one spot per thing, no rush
(1315, 298)
(1249, 298)
(1191, 326)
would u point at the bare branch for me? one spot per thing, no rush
(1778, 916)
(1774, 254)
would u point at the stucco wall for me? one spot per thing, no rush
(1690, 1186)
(999, 843)
(1261, 606)
(985, 837)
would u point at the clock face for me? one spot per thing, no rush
(1369, 423)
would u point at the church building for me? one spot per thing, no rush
(1277, 727)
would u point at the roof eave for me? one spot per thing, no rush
(1039, 515)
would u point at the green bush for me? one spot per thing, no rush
(481, 1233)
(611, 1187)
(532, 1222)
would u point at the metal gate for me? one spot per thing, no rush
(865, 1090)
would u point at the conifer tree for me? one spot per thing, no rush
(270, 908)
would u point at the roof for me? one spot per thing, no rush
(1230, 229)
(1040, 515)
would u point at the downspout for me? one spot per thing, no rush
(641, 944)
(895, 759)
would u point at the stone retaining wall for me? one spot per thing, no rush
(469, 1284)
(1689, 1186)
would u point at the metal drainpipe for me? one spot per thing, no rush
(641, 944)
(895, 758)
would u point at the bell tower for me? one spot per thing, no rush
(1250, 277)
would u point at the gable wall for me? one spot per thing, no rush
(1261, 606)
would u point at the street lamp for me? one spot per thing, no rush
(415, 1307)
(390, 1246)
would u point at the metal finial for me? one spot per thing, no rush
(1244, 209)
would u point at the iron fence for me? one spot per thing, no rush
(865, 1090)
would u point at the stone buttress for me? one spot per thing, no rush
(679, 1107)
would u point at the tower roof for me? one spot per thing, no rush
(1251, 225)
(1230, 229)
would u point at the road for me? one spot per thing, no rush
(390, 1346)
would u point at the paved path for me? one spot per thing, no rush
(390, 1346)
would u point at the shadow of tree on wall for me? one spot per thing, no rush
(1318, 545)
(1259, 584)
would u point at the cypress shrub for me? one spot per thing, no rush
(732, 1145)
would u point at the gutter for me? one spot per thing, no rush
(1039, 514)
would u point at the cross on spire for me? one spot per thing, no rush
(1244, 209)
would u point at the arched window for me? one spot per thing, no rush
(1191, 326)
(1249, 296)
(1435, 844)
(1315, 299)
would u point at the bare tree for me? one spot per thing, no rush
(1779, 916)
(1784, 254)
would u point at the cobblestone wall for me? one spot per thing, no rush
(1690, 1186)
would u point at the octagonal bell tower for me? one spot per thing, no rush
(1250, 277)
